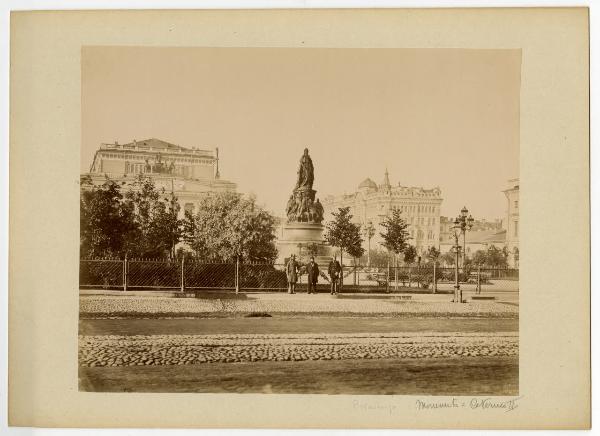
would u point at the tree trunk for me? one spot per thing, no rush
(342, 266)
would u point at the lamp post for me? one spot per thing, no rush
(369, 232)
(462, 224)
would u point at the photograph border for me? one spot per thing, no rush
(555, 126)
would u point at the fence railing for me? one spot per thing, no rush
(138, 274)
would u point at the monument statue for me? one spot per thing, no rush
(306, 172)
(301, 206)
(303, 227)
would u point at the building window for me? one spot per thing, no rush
(516, 229)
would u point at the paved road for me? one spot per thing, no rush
(205, 326)
(451, 376)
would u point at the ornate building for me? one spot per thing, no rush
(372, 202)
(188, 173)
(512, 222)
(479, 226)
(475, 241)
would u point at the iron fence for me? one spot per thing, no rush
(193, 275)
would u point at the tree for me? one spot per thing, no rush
(395, 234)
(432, 254)
(410, 254)
(496, 257)
(105, 222)
(157, 227)
(379, 257)
(341, 232)
(492, 257)
(448, 258)
(229, 227)
(479, 258)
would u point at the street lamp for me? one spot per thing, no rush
(369, 232)
(462, 224)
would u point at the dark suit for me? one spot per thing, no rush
(312, 270)
(334, 271)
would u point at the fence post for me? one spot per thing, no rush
(182, 273)
(434, 277)
(387, 278)
(125, 273)
(409, 276)
(237, 274)
(396, 272)
(479, 279)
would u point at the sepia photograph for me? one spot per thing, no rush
(299, 221)
(362, 218)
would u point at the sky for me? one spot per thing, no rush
(432, 117)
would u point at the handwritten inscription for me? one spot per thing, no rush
(472, 403)
(457, 403)
(374, 406)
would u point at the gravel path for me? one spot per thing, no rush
(115, 306)
(198, 349)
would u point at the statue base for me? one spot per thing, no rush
(304, 240)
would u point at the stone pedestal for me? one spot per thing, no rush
(296, 239)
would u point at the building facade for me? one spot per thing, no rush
(512, 222)
(482, 234)
(478, 240)
(188, 173)
(372, 202)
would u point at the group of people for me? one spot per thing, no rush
(312, 271)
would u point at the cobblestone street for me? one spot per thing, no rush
(197, 349)
(151, 342)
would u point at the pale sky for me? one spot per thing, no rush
(433, 117)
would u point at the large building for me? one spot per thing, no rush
(477, 240)
(482, 231)
(512, 222)
(485, 234)
(189, 173)
(371, 202)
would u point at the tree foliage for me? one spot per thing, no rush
(448, 258)
(105, 221)
(143, 222)
(432, 254)
(140, 223)
(229, 226)
(342, 233)
(156, 223)
(410, 254)
(395, 233)
(379, 257)
(493, 257)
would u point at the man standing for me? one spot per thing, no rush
(334, 270)
(312, 270)
(291, 271)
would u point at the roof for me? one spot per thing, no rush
(486, 236)
(155, 145)
(367, 183)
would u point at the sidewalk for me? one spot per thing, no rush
(132, 306)
(208, 294)
(257, 295)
